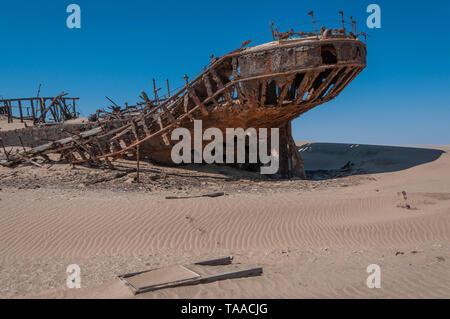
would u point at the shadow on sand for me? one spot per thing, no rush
(327, 160)
(323, 161)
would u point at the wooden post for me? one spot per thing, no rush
(37, 97)
(21, 142)
(155, 91)
(4, 149)
(284, 157)
(20, 111)
(168, 88)
(296, 160)
(42, 102)
(32, 111)
(10, 118)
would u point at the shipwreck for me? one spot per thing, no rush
(266, 85)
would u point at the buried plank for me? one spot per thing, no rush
(161, 276)
(183, 275)
(212, 195)
(216, 261)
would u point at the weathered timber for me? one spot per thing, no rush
(57, 111)
(266, 85)
(185, 275)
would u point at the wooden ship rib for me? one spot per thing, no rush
(266, 85)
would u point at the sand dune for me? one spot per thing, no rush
(314, 243)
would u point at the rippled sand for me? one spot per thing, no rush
(311, 243)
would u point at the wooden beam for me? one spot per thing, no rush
(296, 161)
(209, 90)
(33, 114)
(250, 272)
(285, 90)
(283, 153)
(216, 261)
(20, 111)
(10, 115)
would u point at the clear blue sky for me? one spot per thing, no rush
(402, 97)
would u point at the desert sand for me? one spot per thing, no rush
(17, 125)
(313, 238)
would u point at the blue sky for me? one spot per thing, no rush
(402, 97)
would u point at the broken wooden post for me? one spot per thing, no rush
(42, 103)
(296, 162)
(112, 102)
(4, 149)
(155, 91)
(10, 117)
(21, 142)
(74, 109)
(32, 111)
(20, 110)
(168, 88)
(39, 90)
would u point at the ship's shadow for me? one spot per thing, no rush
(334, 160)
(329, 161)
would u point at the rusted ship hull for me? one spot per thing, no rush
(263, 86)
(280, 81)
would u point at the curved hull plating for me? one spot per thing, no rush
(264, 86)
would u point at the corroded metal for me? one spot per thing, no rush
(266, 85)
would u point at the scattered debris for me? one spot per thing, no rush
(107, 179)
(182, 275)
(347, 170)
(404, 204)
(346, 167)
(403, 193)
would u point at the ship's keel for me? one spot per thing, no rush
(291, 163)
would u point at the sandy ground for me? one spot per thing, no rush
(313, 238)
(17, 125)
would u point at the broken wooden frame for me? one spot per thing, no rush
(40, 109)
(185, 275)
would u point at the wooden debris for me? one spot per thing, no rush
(4, 149)
(216, 261)
(183, 275)
(107, 179)
(60, 109)
(212, 195)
